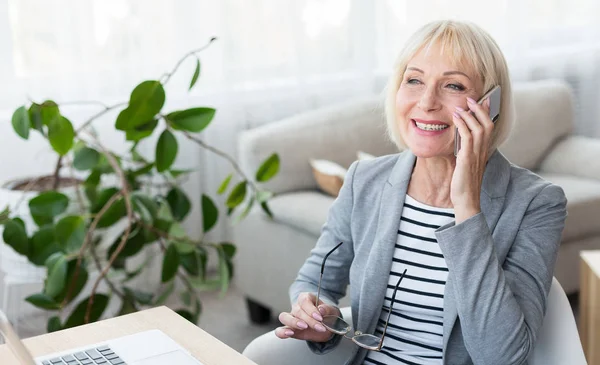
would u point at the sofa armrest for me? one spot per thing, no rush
(575, 155)
(334, 133)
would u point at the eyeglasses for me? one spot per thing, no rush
(338, 326)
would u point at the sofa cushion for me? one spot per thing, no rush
(583, 205)
(544, 114)
(305, 210)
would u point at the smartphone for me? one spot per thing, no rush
(494, 95)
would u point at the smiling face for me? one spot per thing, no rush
(431, 87)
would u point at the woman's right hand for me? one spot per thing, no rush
(304, 321)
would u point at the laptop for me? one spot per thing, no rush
(151, 347)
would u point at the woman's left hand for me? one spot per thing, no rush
(475, 134)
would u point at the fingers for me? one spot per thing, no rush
(475, 127)
(284, 332)
(478, 122)
(306, 311)
(466, 138)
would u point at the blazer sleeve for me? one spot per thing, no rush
(501, 306)
(335, 280)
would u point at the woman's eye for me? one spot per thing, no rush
(457, 87)
(413, 81)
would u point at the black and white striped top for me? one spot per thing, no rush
(414, 334)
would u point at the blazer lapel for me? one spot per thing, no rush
(379, 263)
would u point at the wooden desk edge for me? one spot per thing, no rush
(202, 345)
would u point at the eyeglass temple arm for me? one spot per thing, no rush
(390, 311)
(322, 269)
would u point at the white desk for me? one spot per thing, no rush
(199, 343)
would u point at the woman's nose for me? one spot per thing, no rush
(429, 100)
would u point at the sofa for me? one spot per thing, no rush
(270, 251)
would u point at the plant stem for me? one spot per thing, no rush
(84, 102)
(125, 191)
(165, 235)
(169, 74)
(56, 171)
(97, 115)
(86, 242)
(106, 279)
(223, 155)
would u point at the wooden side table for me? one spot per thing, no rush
(589, 305)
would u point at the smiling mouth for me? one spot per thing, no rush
(430, 127)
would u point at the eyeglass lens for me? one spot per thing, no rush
(370, 342)
(336, 325)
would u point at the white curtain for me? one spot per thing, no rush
(273, 58)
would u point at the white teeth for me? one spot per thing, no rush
(431, 127)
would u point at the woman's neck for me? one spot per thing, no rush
(431, 179)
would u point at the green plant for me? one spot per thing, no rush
(71, 229)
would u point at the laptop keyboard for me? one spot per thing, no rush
(101, 355)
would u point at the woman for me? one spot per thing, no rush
(477, 236)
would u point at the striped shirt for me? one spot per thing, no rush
(415, 331)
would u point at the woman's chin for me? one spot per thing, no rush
(429, 152)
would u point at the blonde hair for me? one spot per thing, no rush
(467, 44)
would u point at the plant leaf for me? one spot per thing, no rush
(43, 245)
(266, 209)
(135, 242)
(49, 112)
(245, 212)
(140, 296)
(21, 123)
(138, 133)
(166, 151)
(179, 203)
(229, 249)
(145, 206)
(146, 100)
(177, 173)
(196, 74)
(263, 196)
(46, 206)
(186, 297)
(114, 213)
(86, 159)
(81, 280)
(61, 135)
(35, 118)
(191, 120)
(4, 215)
(237, 196)
(43, 301)
(224, 184)
(223, 270)
(190, 263)
(268, 169)
(54, 324)
(143, 170)
(128, 306)
(16, 237)
(70, 233)
(170, 263)
(210, 213)
(186, 314)
(57, 274)
(162, 298)
(78, 316)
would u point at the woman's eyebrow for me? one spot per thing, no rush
(447, 73)
(456, 73)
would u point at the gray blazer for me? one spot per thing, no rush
(500, 261)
